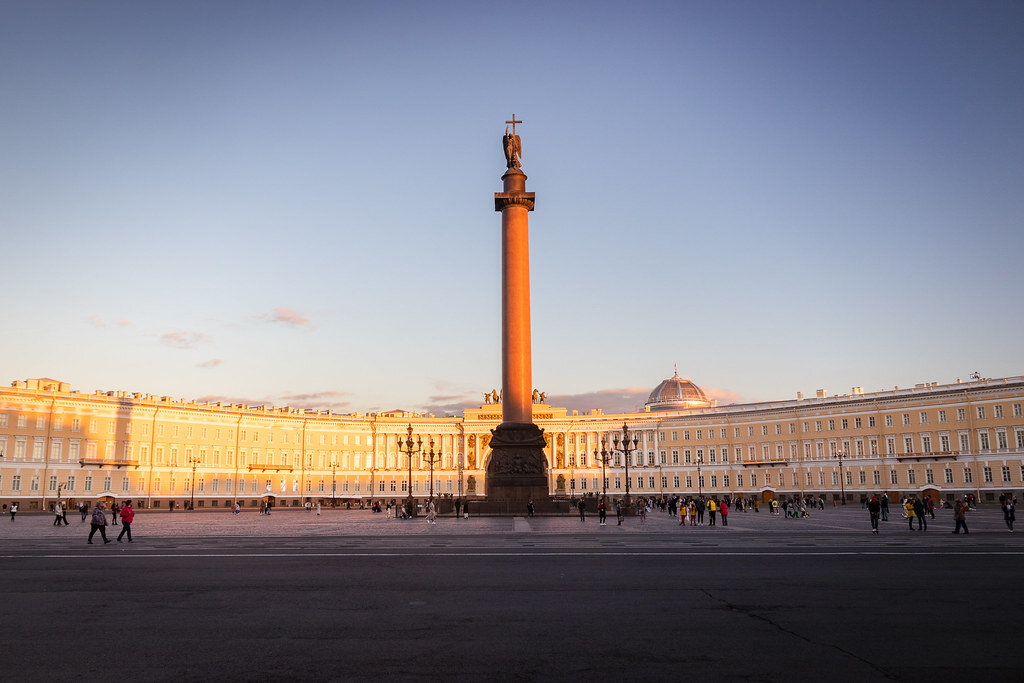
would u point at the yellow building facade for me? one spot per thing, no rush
(940, 440)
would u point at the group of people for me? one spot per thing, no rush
(98, 520)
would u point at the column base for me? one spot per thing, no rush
(517, 470)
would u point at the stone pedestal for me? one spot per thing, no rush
(517, 468)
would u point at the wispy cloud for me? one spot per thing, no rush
(724, 396)
(286, 315)
(212, 363)
(124, 322)
(608, 400)
(182, 339)
(96, 321)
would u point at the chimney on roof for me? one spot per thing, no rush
(859, 391)
(822, 393)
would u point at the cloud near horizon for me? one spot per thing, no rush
(321, 400)
(609, 401)
(212, 363)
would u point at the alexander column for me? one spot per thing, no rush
(517, 468)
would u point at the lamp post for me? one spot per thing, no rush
(700, 479)
(309, 466)
(460, 456)
(406, 446)
(627, 446)
(193, 460)
(604, 456)
(433, 458)
(334, 477)
(842, 482)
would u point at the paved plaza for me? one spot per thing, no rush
(351, 595)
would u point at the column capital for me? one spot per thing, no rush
(502, 200)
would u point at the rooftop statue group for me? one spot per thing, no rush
(494, 397)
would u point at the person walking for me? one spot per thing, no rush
(583, 509)
(318, 507)
(700, 512)
(919, 512)
(724, 511)
(618, 511)
(1009, 515)
(99, 523)
(960, 516)
(908, 508)
(885, 507)
(874, 507)
(127, 515)
(712, 508)
(529, 508)
(602, 512)
(114, 510)
(684, 508)
(58, 510)
(693, 512)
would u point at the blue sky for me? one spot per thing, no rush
(292, 202)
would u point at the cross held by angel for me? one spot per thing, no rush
(512, 145)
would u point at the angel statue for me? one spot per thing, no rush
(513, 149)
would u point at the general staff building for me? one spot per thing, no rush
(938, 440)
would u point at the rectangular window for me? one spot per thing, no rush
(1001, 440)
(965, 444)
(871, 421)
(863, 477)
(88, 484)
(987, 471)
(893, 478)
(983, 440)
(997, 411)
(845, 423)
(714, 481)
(968, 475)
(53, 482)
(739, 480)
(831, 425)
(961, 414)
(876, 478)
(1018, 411)
(908, 444)
(929, 476)
(948, 474)
(911, 476)
(689, 482)
(981, 412)
(944, 443)
(753, 479)
(16, 482)
(926, 444)
(942, 416)
(923, 415)
(906, 418)
(1006, 474)
(888, 420)
(856, 423)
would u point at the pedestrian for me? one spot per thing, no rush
(458, 507)
(602, 512)
(683, 510)
(712, 508)
(700, 511)
(431, 512)
(318, 507)
(693, 513)
(908, 509)
(14, 510)
(57, 511)
(873, 509)
(618, 511)
(919, 511)
(724, 511)
(529, 508)
(84, 509)
(931, 507)
(115, 509)
(99, 523)
(960, 516)
(127, 515)
(64, 514)
(1009, 514)
(583, 509)
(465, 509)
(885, 507)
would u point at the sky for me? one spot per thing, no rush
(291, 203)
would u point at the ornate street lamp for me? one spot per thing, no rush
(604, 456)
(433, 458)
(334, 477)
(460, 457)
(406, 446)
(842, 482)
(193, 460)
(700, 479)
(627, 446)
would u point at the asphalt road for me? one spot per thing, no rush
(515, 600)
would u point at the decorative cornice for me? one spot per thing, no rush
(503, 200)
